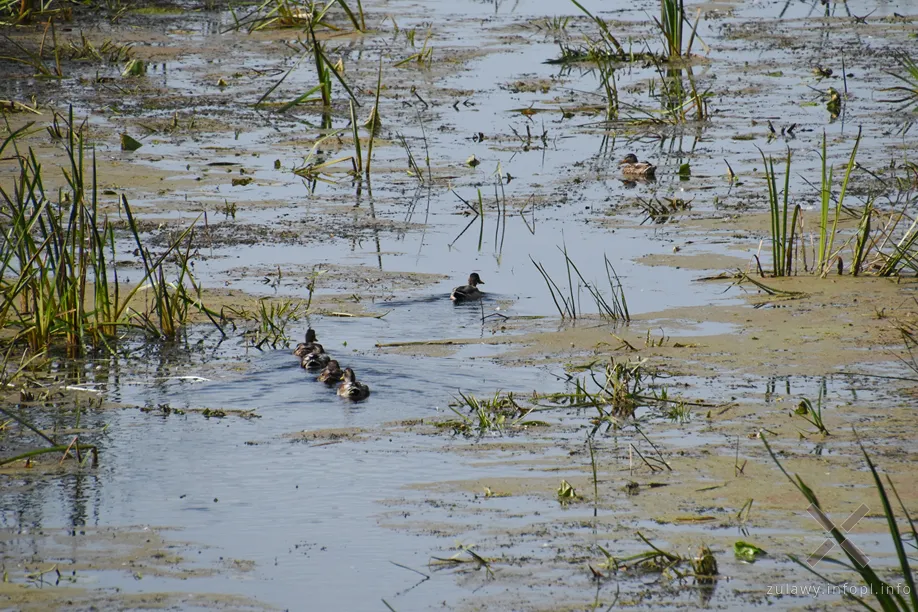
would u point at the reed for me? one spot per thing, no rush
(888, 596)
(908, 91)
(672, 15)
(607, 41)
(826, 255)
(782, 242)
(57, 272)
(613, 306)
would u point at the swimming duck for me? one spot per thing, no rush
(315, 361)
(310, 346)
(470, 291)
(351, 389)
(630, 166)
(332, 373)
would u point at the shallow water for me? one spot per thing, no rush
(324, 521)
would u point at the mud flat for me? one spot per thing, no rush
(615, 413)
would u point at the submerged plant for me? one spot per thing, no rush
(811, 415)
(655, 559)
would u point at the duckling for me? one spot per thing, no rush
(332, 373)
(310, 346)
(315, 361)
(630, 166)
(470, 291)
(351, 389)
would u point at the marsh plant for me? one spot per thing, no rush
(567, 300)
(908, 77)
(488, 415)
(891, 596)
(58, 280)
(274, 14)
(884, 249)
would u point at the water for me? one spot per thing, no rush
(326, 520)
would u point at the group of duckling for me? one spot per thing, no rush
(313, 357)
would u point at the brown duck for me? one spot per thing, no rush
(351, 389)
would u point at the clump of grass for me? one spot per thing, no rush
(811, 415)
(662, 210)
(679, 103)
(267, 325)
(888, 596)
(57, 274)
(496, 414)
(618, 393)
(680, 412)
(273, 14)
(782, 243)
(325, 69)
(826, 256)
(908, 91)
(613, 307)
(672, 14)
(703, 566)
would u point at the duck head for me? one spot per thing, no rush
(631, 158)
(475, 280)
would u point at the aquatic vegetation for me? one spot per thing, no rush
(672, 14)
(826, 256)
(908, 91)
(567, 493)
(889, 596)
(492, 415)
(266, 326)
(782, 245)
(57, 274)
(295, 14)
(811, 415)
(655, 559)
(747, 552)
(662, 210)
(457, 560)
(613, 307)
(679, 412)
(9, 378)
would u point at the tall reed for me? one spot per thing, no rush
(57, 274)
(825, 256)
(782, 243)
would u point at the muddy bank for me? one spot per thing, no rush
(486, 157)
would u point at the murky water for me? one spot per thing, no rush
(326, 521)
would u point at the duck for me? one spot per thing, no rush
(315, 361)
(332, 373)
(351, 389)
(630, 166)
(468, 292)
(310, 346)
